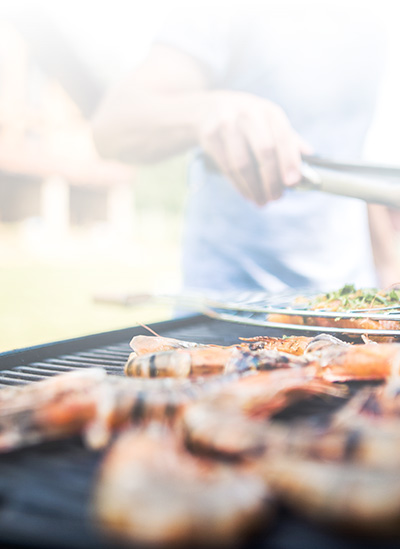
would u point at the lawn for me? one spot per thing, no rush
(48, 299)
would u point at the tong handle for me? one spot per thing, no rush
(360, 168)
(377, 190)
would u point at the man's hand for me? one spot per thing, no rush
(168, 106)
(252, 142)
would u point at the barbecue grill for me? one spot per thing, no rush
(45, 490)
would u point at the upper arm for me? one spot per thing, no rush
(132, 113)
(167, 69)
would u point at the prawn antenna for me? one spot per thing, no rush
(149, 329)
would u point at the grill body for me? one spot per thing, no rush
(45, 490)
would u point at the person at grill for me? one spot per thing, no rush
(250, 91)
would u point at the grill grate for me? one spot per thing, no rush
(45, 490)
(112, 358)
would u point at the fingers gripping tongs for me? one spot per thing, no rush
(372, 183)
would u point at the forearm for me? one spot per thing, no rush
(170, 104)
(142, 126)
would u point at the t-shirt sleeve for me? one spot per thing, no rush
(204, 35)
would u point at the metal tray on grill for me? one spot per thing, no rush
(45, 490)
(254, 308)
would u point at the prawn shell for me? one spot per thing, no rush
(49, 409)
(294, 345)
(151, 491)
(346, 496)
(222, 432)
(179, 363)
(359, 362)
(360, 441)
(151, 344)
(263, 394)
(161, 364)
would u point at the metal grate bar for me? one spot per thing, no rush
(118, 352)
(83, 360)
(13, 382)
(106, 359)
(52, 369)
(12, 374)
(5, 383)
(103, 358)
(121, 347)
(112, 358)
(45, 366)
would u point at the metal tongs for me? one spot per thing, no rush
(369, 182)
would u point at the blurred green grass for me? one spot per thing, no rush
(47, 290)
(43, 302)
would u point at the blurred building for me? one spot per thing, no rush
(49, 168)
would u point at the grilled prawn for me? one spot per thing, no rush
(222, 431)
(179, 363)
(264, 394)
(366, 443)
(55, 407)
(228, 422)
(348, 496)
(373, 404)
(336, 360)
(151, 490)
(210, 360)
(356, 362)
(294, 345)
(90, 403)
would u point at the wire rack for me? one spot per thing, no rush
(254, 308)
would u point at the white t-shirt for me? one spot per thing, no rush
(322, 65)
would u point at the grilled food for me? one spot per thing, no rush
(347, 299)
